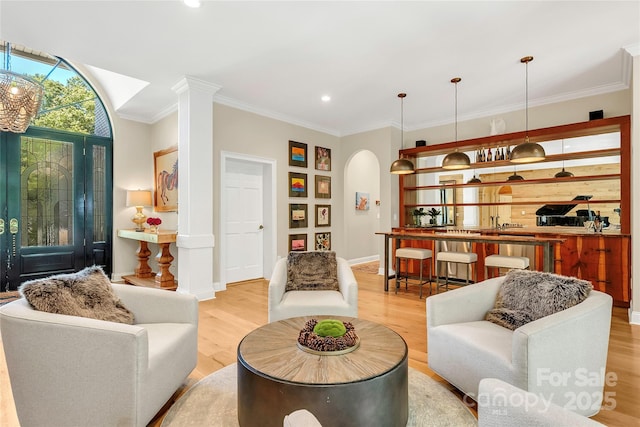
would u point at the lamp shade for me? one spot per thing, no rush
(402, 167)
(456, 160)
(527, 152)
(515, 177)
(138, 197)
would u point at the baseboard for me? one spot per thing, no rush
(634, 317)
(363, 260)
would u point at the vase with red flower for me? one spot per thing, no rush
(154, 224)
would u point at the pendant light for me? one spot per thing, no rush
(515, 177)
(563, 173)
(457, 159)
(474, 180)
(402, 166)
(20, 98)
(527, 152)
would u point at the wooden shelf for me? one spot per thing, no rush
(519, 203)
(594, 154)
(414, 194)
(614, 176)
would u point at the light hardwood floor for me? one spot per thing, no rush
(225, 320)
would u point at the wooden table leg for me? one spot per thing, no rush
(143, 270)
(164, 278)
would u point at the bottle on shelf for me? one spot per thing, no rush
(597, 222)
(502, 154)
(489, 155)
(508, 153)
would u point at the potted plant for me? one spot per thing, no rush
(417, 215)
(433, 213)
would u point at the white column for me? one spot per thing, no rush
(195, 240)
(634, 311)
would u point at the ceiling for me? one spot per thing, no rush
(279, 58)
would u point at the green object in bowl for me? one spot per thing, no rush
(330, 328)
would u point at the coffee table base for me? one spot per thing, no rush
(383, 400)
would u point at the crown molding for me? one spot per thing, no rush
(230, 102)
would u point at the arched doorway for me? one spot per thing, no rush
(362, 217)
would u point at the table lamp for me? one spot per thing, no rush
(139, 199)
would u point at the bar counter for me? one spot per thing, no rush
(602, 258)
(471, 236)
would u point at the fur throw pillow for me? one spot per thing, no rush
(87, 293)
(526, 296)
(312, 271)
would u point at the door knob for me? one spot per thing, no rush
(260, 227)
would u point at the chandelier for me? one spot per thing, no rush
(20, 98)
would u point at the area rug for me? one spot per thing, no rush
(367, 267)
(7, 297)
(212, 401)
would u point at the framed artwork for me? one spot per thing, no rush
(362, 201)
(297, 184)
(165, 169)
(323, 159)
(323, 241)
(323, 187)
(323, 215)
(297, 154)
(297, 242)
(298, 216)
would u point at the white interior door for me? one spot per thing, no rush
(244, 221)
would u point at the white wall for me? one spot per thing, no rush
(132, 169)
(247, 133)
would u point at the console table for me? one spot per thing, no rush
(143, 275)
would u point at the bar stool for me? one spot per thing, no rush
(467, 258)
(412, 253)
(505, 261)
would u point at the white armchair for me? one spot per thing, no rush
(74, 371)
(561, 357)
(283, 305)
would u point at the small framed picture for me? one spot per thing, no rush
(297, 184)
(362, 201)
(298, 216)
(323, 159)
(323, 241)
(297, 154)
(297, 242)
(323, 215)
(323, 187)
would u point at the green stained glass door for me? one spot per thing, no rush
(56, 204)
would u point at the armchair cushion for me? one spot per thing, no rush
(312, 271)
(87, 293)
(526, 296)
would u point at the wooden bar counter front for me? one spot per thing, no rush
(366, 387)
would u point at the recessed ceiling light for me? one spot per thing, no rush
(192, 3)
(325, 98)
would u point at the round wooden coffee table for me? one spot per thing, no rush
(367, 386)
